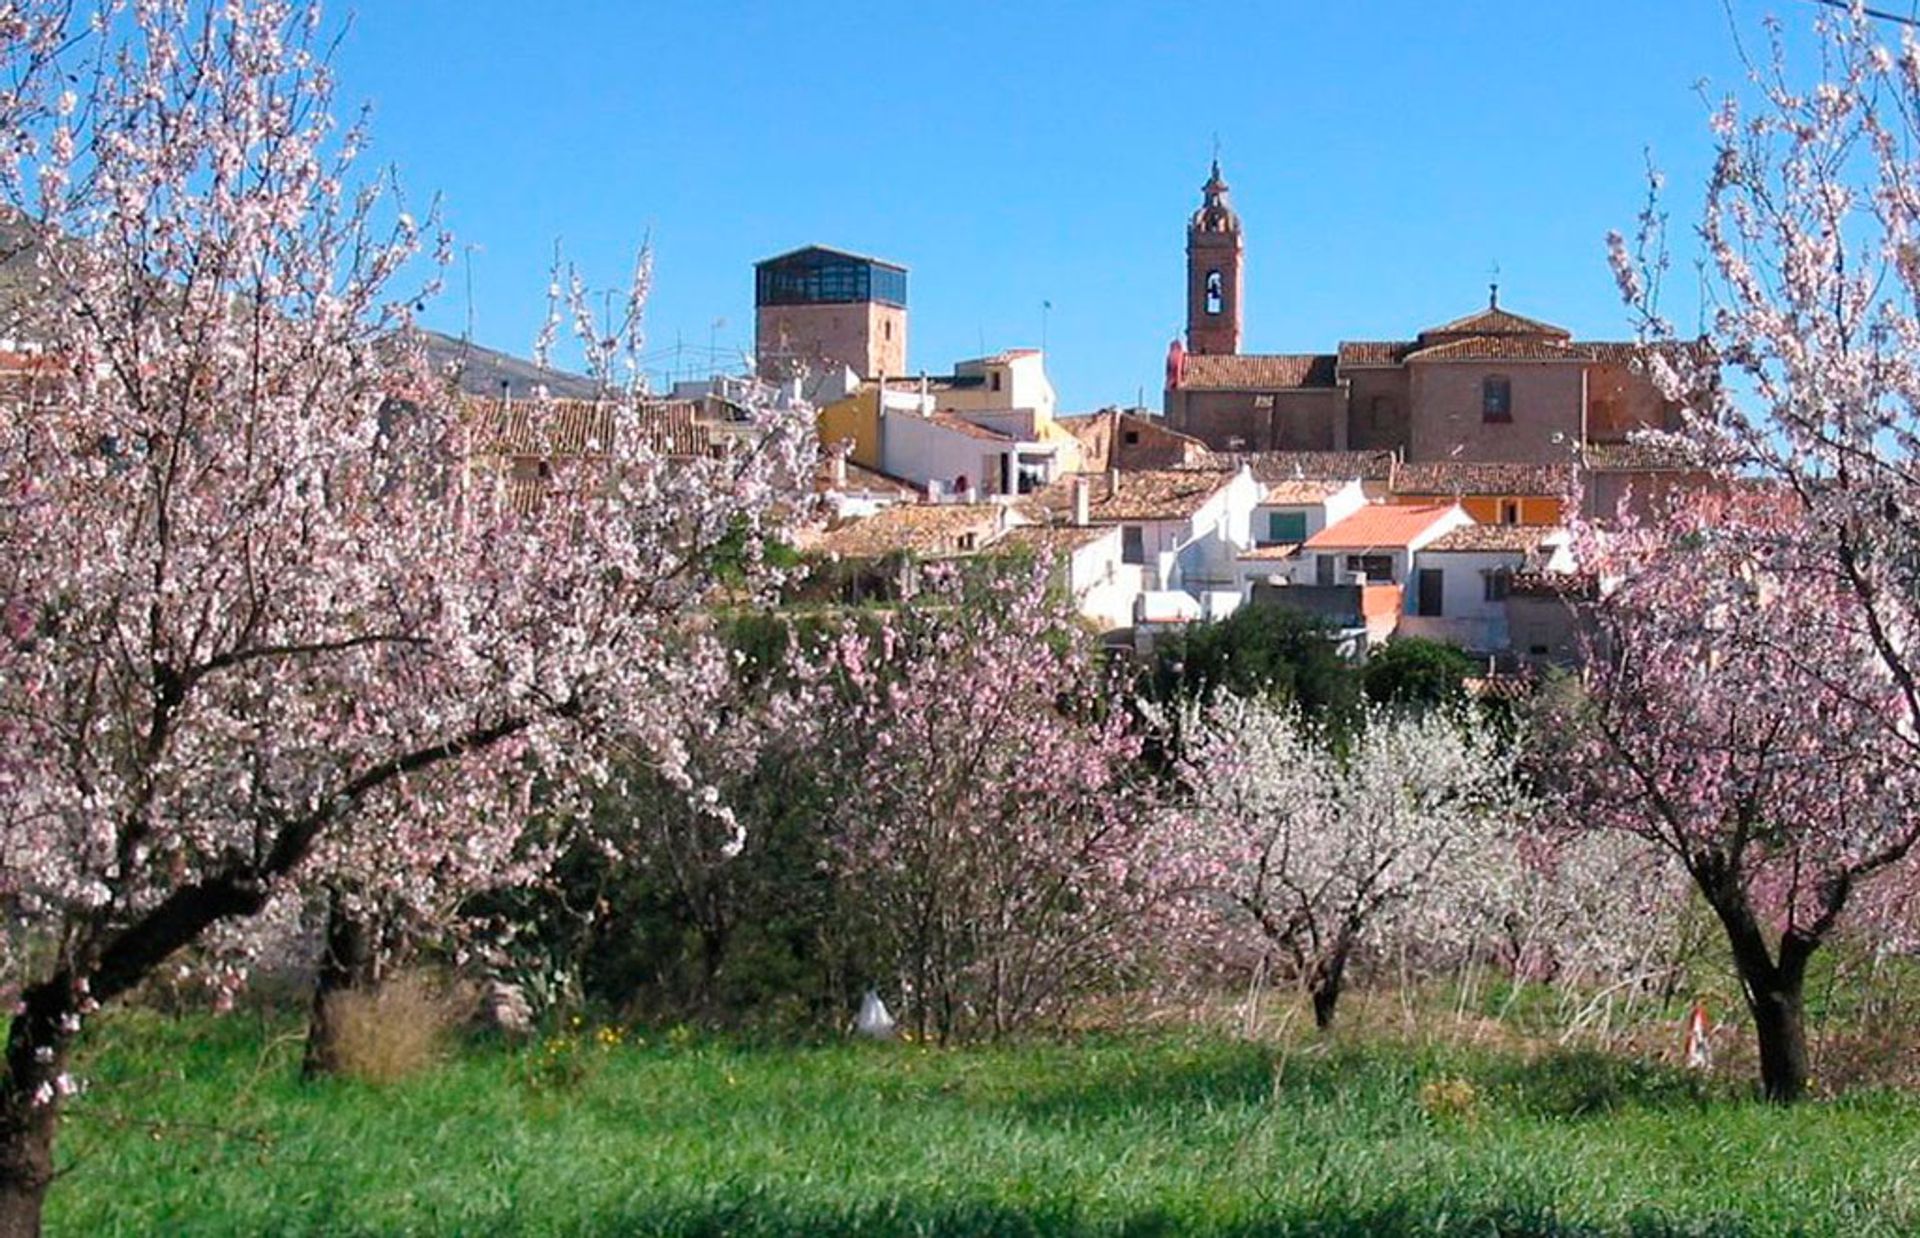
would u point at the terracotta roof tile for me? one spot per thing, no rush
(560, 428)
(1374, 352)
(1523, 539)
(1146, 494)
(1252, 372)
(1492, 321)
(1273, 467)
(1054, 539)
(1501, 348)
(1379, 525)
(918, 529)
(1300, 493)
(1461, 477)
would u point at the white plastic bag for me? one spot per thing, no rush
(873, 1020)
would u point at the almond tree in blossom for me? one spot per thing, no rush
(1318, 850)
(263, 621)
(1765, 692)
(1735, 721)
(991, 833)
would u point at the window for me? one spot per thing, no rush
(1216, 293)
(1509, 511)
(1432, 591)
(1323, 570)
(1496, 398)
(993, 380)
(1133, 545)
(1379, 568)
(1131, 438)
(1499, 581)
(1285, 527)
(886, 329)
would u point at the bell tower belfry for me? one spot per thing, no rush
(1215, 259)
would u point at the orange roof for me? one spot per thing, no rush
(1379, 525)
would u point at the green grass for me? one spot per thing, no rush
(199, 1127)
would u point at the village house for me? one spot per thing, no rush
(1183, 527)
(1353, 574)
(987, 429)
(1463, 582)
(1130, 439)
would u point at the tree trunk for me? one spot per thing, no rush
(1775, 990)
(1779, 1017)
(1325, 980)
(347, 964)
(30, 1100)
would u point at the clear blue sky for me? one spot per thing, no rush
(1382, 156)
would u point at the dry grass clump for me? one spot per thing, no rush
(392, 1032)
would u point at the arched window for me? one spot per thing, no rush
(1216, 293)
(1496, 398)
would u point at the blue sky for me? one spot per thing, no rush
(1382, 155)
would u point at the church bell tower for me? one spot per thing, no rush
(1215, 259)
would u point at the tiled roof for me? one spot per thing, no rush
(1247, 372)
(920, 529)
(1374, 352)
(1273, 467)
(1634, 456)
(1487, 538)
(560, 428)
(1623, 352)
(960, 425)
(1273, 553)
(1492, 321)
(1502, 348)
(1298, 493)
(1054, 539)
(1379, 524)
(1458, 477)
(1146, 494)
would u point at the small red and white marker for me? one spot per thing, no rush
(1699, 1053)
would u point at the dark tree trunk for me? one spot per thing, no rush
(1775, 990)
(30, 1101)
(1779, 1018)
(348, 959)
(1325, 980)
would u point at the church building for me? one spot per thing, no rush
(1492, 386)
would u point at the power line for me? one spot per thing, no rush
(1882, 14)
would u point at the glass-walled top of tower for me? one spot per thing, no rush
(817, 275)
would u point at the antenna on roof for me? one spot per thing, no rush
(1493, 288)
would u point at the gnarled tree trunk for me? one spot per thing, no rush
(36, 1056)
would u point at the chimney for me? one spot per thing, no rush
(1081, 503)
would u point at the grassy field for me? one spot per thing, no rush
(199, 1127)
